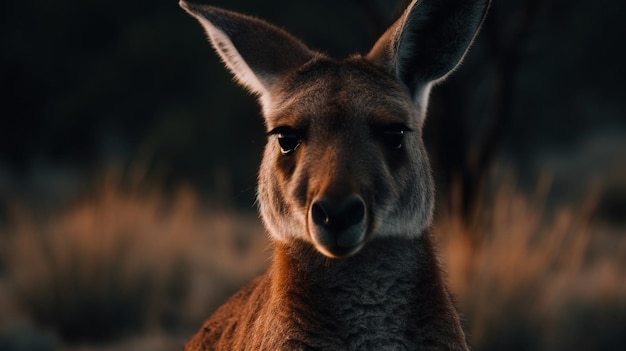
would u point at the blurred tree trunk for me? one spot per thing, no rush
(504, 45)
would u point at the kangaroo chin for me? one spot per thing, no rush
(345, 187)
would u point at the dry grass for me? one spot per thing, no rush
(125, 261)
(128, 268)
(538, 279)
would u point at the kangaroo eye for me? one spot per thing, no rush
(289, 139)
(393, 138)
(391, 135)
(288, 142)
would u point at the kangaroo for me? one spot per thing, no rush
(345, 187)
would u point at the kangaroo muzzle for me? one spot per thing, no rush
(338, 226)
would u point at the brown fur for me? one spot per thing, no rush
(345, 186)
(288, 310)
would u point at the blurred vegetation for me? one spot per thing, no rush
(99, 270)
(540, 279)
(126, 260)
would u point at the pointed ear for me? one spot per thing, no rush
(428, 41)
(256, 52)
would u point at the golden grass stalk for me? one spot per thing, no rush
(516, 283)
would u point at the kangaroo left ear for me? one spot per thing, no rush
(428, 41)
(256, 52)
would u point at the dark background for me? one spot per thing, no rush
(87, 85)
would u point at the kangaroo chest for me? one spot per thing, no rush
(363, 303)
(354, 320)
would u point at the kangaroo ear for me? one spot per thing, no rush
(428, 41)
(256, 52)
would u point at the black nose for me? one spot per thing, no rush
(337, 216)
(339, 226)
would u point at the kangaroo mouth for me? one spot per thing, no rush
(338, 228)
(338, 245)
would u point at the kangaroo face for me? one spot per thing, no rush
(344, 162)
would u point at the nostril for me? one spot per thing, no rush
(338, 215)
(319, 215)
(354, 211)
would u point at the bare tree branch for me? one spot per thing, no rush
(505, 49)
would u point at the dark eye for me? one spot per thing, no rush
(288, 142)
(393, 138)
(392, 135)
(288, 139)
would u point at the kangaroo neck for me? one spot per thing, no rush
(378, 294)
(381, 265)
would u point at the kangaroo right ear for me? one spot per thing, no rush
(256, 52)
(428, 41)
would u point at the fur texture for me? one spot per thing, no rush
(345, 187)
(341, 305)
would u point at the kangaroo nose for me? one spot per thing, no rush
(339, 225)
(338, 216)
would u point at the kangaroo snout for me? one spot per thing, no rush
(338, 227)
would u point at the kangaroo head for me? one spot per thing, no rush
(344, 161)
